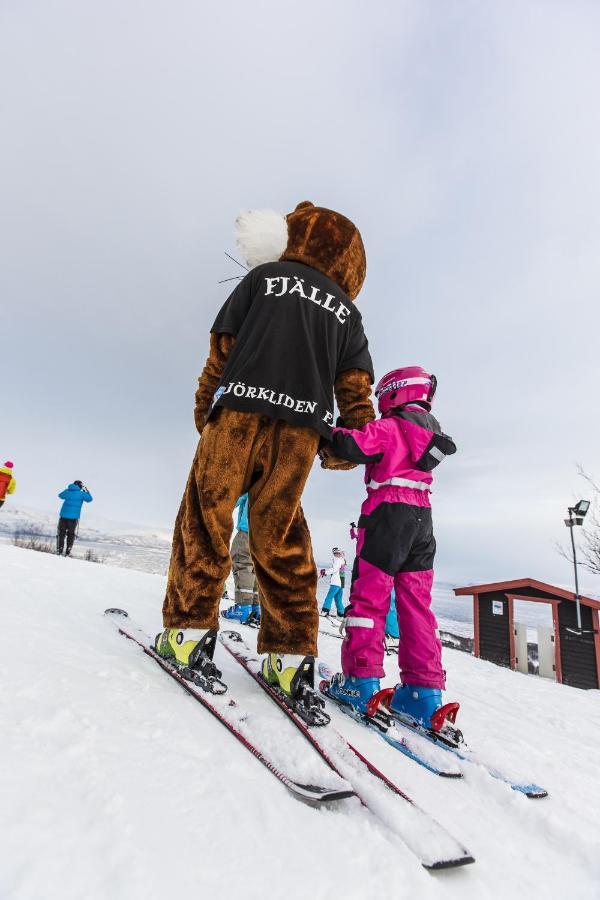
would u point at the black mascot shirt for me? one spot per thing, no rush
(295, 331)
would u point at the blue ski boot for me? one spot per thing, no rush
(353, 691)
(254, 617)
(239, 612)
(417, 703)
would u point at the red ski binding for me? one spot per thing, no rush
(383, 697)
(444, 713)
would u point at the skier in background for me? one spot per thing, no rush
(396, 548)
(74, 496)
(336, 583)
(392, 632)
(8, 484)
(246, 609)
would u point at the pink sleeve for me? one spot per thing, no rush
(362, 445)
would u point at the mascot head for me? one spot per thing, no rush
(314, 235)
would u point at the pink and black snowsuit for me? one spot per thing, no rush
(395, 545)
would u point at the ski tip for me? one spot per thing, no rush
(227, 635)
(453, 863)
(533, 791)
(319, 796)
(326, 671)
(115, 611)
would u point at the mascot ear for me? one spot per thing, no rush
(261, 236)
(306, 204)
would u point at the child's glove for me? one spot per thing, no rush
(330, 461)
(322, 573)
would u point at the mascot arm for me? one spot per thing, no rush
(220, 348)
(353, 397)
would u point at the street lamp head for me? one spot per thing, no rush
(581, 508)
(579, 511)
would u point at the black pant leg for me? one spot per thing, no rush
(60, 535)
(71, 529)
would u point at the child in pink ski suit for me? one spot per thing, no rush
(395, 547)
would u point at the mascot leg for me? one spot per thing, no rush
(280, 540)
(200, 560)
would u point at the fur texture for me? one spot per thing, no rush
(271, 460)
(329, 242)
(261, 236)
(218, 354)
(353, 396)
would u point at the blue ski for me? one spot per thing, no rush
(400, 739)
(386, 729)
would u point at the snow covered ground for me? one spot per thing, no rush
(115, 785)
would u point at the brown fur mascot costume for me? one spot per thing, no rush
(284, 342)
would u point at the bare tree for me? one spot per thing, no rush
(590, 533)
(91, 556)
(29, 539)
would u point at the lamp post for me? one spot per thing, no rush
(576, 516)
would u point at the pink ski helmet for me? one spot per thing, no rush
(8, 464)
(406, 385)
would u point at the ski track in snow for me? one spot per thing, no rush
(115, 785)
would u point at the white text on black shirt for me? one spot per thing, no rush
(330, 303)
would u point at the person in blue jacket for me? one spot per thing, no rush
(74, 496)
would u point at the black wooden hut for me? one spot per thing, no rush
(577, 656)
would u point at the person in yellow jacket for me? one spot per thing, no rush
(8, 484)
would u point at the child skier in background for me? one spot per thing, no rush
(395, 548)
(336, 583)
(392, 632)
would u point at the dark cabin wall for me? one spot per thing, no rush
(578, 654)
(494, 633)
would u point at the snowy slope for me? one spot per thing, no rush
(148, 550)
(115, 784)
(117, 543)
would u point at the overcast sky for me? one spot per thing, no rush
(462, 138)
